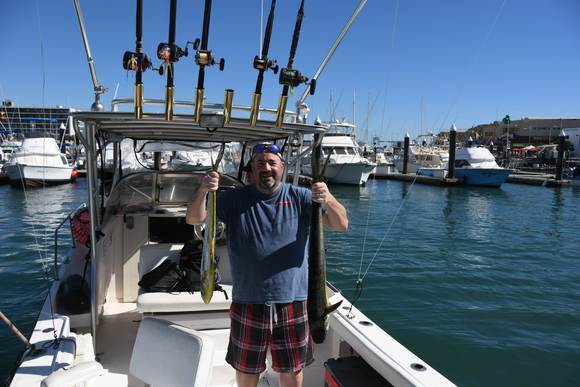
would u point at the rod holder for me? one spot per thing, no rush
(255, 109)
(138, 101)
(169, 103)
(198, 104)
(228, 102)
(281, 110)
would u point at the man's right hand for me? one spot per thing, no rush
(210, 182)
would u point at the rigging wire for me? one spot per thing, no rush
(471, 64)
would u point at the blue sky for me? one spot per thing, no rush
(426, 63)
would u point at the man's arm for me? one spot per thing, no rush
(334, 214)
(196, 212)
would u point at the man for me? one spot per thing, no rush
(268, 226)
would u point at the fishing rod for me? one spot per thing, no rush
(289, 76)
(137, 61)
(170, 53)
(203, 58)
(262, 64)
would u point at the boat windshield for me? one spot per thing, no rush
(177, 189)
(145, 190)
(133, 191)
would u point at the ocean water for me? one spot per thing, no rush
(482, 284)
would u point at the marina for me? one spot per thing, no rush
(481, 313)
(179, 229)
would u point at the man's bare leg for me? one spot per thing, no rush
(247, 380)
(291, 379)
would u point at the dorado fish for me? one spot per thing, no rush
(209, 260)
(318, 306)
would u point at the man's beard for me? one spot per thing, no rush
(267, 183)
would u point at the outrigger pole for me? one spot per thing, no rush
(137, 61)
(204, 57)
(89, 143)
(300, 104)
(98, 89)
(290, 77)
(262, 64)
(169, 53)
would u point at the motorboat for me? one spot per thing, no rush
(139, 223)
(343, 162)
(476, 165)
(39, 162)
(97, 327)
(383, 157)
(421, 156)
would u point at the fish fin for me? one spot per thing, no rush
(331, 308)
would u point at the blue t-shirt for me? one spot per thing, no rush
(267, 238)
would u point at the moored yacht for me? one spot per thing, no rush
(39, 162)
(342, 159)
(477, 166)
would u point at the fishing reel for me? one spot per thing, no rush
(263, 64)
(169, 53)
(293, 78)
(133, 61)
(205, 57)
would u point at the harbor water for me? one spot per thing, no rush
(482, 284)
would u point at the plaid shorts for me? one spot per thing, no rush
(283, 327)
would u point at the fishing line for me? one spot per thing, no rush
(358, 289)
(360, 280)
(42, 259)
(390, 226)
(472, 62)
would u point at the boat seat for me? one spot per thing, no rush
(160, 302)
(167, 354)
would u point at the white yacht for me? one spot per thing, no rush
(342, 160)
(38, 162)
(422, 157)
(383, 157)
(477, 166)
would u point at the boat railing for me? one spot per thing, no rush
(68, 217)
(116, 103)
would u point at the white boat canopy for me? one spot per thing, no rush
(183, 127)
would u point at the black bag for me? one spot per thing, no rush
(190, 265)
(164, 278)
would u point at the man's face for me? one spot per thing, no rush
(267, 169)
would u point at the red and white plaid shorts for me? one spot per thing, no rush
(283, 327)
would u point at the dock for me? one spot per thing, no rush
(538, 179)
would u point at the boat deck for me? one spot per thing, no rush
(116, 337)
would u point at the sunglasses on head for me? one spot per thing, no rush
(266, 148)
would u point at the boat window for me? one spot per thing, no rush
(340, 151)
(63, 159)
(177, 188)
(134, 190)
(462, 163)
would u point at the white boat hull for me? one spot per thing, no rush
(384, 170)
(352, 174)
(34, 175)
